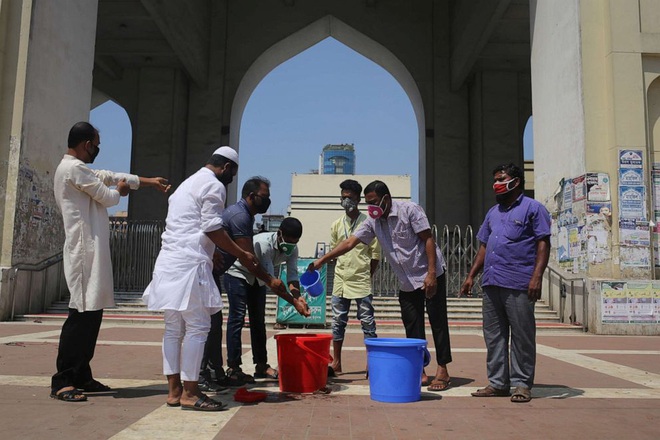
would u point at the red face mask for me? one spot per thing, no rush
(504, 187)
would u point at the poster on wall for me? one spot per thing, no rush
(655, 178)
(632, 202)
(598, 187)
(579, 188)
(567, 195)
(635, 256)
(655, 286)
(631, 159)
(614, 302)
(631, 176)
(634, 232)
(640, 302)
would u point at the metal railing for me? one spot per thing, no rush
(44, 296)
(134, 246)
(563, 283)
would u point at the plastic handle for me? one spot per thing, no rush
(301, 344)
(427, 356)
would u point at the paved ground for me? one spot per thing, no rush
(588, 387)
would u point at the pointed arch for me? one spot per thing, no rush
(307, 37)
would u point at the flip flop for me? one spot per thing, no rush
(521, 395)
(205, 403)
(74, 395)
(173, 405)
(331, 372)
(490, 391)
(439, 385)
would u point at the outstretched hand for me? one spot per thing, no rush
(161, 184)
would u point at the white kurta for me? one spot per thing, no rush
(184, 266)
(83, 195)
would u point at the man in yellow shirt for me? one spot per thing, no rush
(352, 273)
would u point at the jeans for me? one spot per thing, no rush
(243, 296)
(365, 313)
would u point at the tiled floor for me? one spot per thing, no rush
(587, 387)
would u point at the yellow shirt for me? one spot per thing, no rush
(353, 269)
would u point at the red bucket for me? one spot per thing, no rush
(303, 360)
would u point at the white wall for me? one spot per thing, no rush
(315, 201)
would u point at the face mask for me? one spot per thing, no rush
(376, 211)
(93, 155)
(226, 177)
(263, 205)
(348, 204)
(501, 188)
(286, 248)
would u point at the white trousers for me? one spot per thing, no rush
(183, 342)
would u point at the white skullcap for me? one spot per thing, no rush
(228, 153)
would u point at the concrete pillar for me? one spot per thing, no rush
(159, 137)
(447, 155)
(500, 105)
(47, 56)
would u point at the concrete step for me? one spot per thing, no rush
(462, 312)
(389, 324)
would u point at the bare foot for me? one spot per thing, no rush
(336, 367)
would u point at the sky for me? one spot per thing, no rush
(328, 94)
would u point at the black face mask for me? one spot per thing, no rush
(93, 155)
(263, 205)
(225, 178)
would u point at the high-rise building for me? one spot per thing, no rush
(338, 159)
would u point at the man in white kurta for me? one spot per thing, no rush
(83, 195)
(183, 284)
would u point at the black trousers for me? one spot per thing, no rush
(412, 314)
(76, 350)
(212, 359)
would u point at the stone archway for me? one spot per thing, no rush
(307, 37)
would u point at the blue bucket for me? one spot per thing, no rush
(311, 281)
(395, 368)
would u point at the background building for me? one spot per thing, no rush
(315, 201)
(338, 159)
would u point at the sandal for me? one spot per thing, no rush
(74, 395)
(205, 403)
(236, 377)
(521, 395)
(439, 384)
(94, 386)
(490, 391)
(259, 374)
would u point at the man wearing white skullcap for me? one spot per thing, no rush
(183, 284)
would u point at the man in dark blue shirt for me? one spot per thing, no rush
(514, 252)
(238, 221)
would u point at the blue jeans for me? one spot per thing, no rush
(243, 296)
(365, 313)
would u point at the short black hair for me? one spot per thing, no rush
(512, 170)
(351, 185)
(291, 227)
(379, 187)
(81, 132)
(219, 161)
(253, 184)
